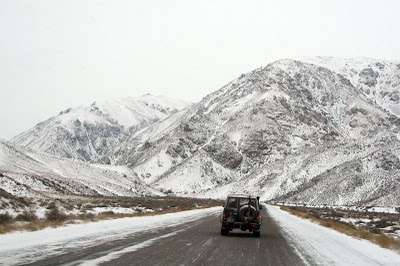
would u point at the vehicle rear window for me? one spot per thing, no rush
(246, 202)
(232, 203)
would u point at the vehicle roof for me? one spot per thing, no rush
(241, 196)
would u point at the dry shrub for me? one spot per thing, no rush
(5, 218)
(336, 214)
(126, 204)
(81, 217)
(316, 214)
(375, 231)
(14, 200)
(88, 206)
(52, 205)
(69, 206)
(383, 223)
(89, 215)
(26, 216)
(43, 203)
(107, 213)
(6, 228)
(55, 215)
(385, 241)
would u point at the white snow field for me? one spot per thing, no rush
(326, 246)
(27, 247)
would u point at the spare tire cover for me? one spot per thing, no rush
(245, 215)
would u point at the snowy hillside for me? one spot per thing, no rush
(279, 130)
(31, 174)
(88, 133)
(379, 80)
(320, 131)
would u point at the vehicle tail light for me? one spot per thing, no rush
(258, 217)
(223, 215)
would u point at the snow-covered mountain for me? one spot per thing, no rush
(25, 173)
(315, 130)
(88, 133)
(378, 80)
(283, 131)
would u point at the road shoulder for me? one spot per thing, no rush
(327, 246)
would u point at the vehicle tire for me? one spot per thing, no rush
(224, 232)
(247, 216)
(256, 233)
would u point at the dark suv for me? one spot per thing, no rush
(243, 212)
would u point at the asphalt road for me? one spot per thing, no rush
(198, 243)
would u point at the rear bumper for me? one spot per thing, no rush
(241, 225)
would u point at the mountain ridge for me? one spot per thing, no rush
(88, 132)
(322, 131)
(308, 104)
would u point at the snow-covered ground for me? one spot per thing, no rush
(313, 243)
(326, 246)
(26, 247)
(382, 209)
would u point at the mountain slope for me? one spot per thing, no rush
(379, 80)
(239, 138)
(29, 174)
(321, 130)
(88, 133)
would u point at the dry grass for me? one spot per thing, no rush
(33, 226)
(379, 239)
(71, 219)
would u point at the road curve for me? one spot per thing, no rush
(197, 243)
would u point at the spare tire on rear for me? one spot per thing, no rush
(247, 216)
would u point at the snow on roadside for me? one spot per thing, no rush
(27, 247)
(326, 246)
(382, 209)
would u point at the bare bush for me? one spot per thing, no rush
(375, 231)
(5, 218)
(26, 216)
(69, 206)
(51, 206)
(89, 215)
(383, 223)
(55, 215)
(43, 203)
(107, 213)
(336, 214)
(88, 206)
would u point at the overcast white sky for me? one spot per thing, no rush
(59, 54)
